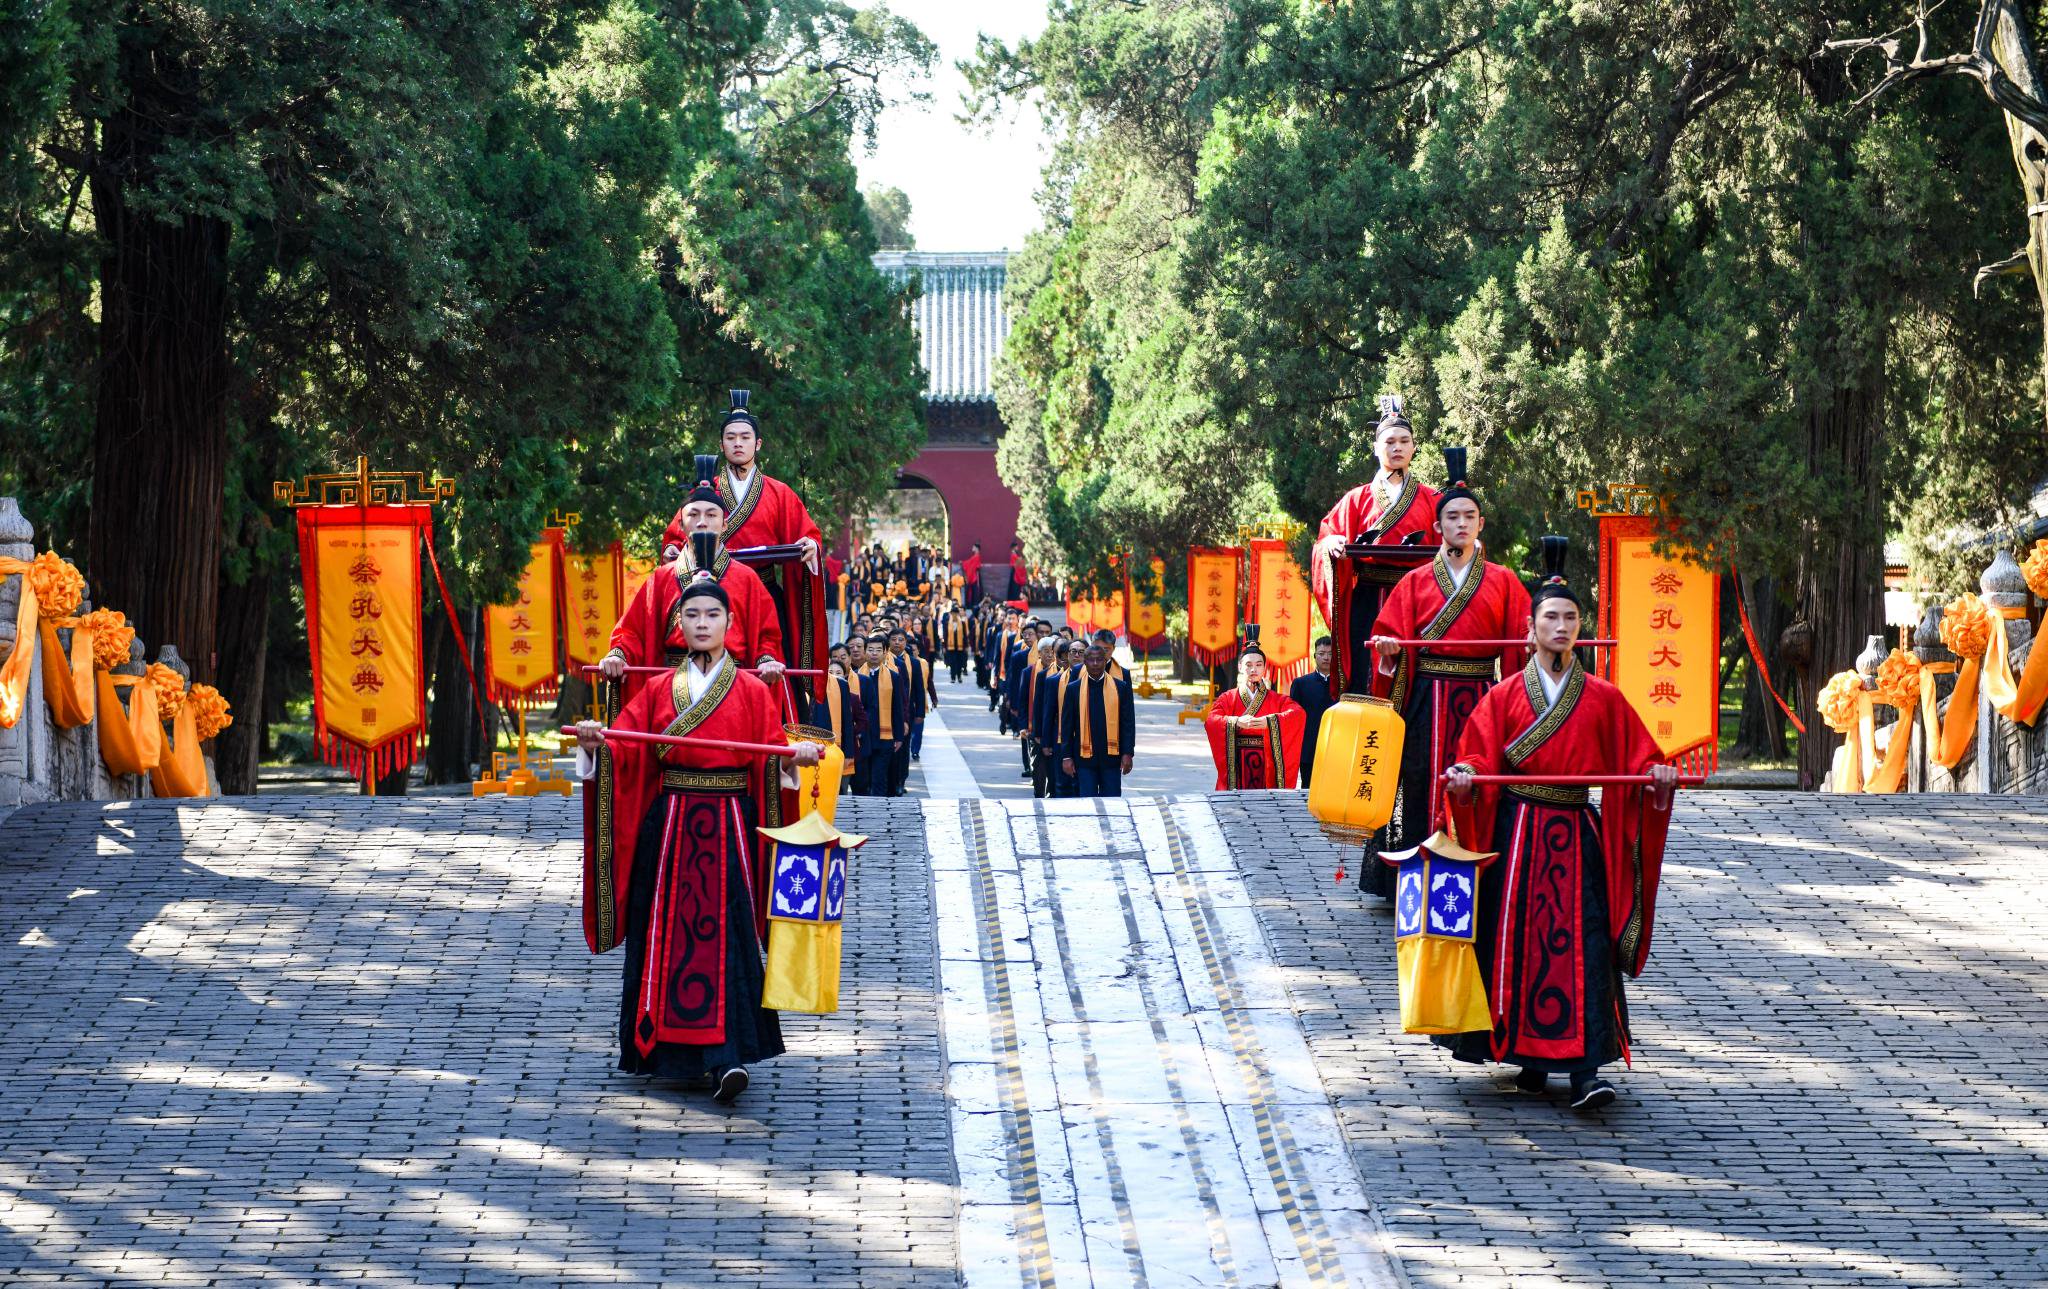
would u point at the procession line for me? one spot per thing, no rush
(1319, 1258)
(1034, 1248)
(1104, 1140)
(1205, 1186)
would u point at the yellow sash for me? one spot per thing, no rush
(134, 745)
(67, 683)
(14, 671)
(1112, 716)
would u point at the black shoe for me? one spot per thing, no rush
(1533, 1082)
(1592, 1094)
(730, 1084)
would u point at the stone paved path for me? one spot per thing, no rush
(317, 1041)
(1841, 1062)
(327, 1040)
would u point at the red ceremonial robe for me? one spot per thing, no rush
(670, 871)
(1566, 909)
(1350, 591)
(769, 513)
(1265, 755)
(1436, 689)
(650, 632)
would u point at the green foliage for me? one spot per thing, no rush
(1653, 243)
(889, 209)
(530, 247)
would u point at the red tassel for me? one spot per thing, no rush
(1340, 874)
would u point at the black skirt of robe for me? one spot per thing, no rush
(752, 1032)
(1600, 996)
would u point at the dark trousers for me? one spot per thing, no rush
(917, 740)
(899, 765)
(1024, 749)
(1041, 772)
(1101, 776)
(877, 769)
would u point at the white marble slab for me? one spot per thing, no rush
(1141, 1104)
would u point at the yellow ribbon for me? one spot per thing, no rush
(1891, 773)
(14, 672)
(67, 682)
(136, 745)
(181, 771)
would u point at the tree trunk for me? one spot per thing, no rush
(1839, 593)
(452, 719)
(160, 425)
(1761, 731)
(2014, 54)
(244, 653)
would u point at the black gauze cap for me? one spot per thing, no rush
(738, 411)
(706, 487)
(1553, 586)
(1456, 482)
(704, 550)
(705, 587)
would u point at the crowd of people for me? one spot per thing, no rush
(751, 634)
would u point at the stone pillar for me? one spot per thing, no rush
(24, 749)
(1922, 775)
(2004, 760)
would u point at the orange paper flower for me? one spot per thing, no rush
(170, 690)
(1966, 626)
(111, 636)
(2036, 569)
(209, 711)
(59, 586)
(1898, 679)
(1838, 701)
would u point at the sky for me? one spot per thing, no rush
(970, 190)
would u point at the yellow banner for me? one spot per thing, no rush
(520, 636)
(1280, 605)
(1212, 604)
(1668, 656)
(368, 619)
(1147, 625)
(1109, 612)
(590, 604)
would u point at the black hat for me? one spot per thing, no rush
(1456, 484)
(738, 411)
(704, 551)
(705, 586)
(706, 487)
(1251, 641)
(1553, 586)
(1393, 412)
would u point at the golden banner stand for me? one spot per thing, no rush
(366, 487)
(528, 778)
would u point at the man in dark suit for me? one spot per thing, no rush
(1098, 728)
(1312, 694)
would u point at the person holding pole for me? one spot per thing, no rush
(1565, 908)
(671, 867)
(1426, 668)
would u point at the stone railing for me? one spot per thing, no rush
(38, 761)
(2005, 756)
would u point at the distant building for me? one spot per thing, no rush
(961, 325)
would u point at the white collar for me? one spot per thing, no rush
(1552, 687)
(741, 483)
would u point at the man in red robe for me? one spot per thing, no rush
(1394, 509)
(670, 866)
(1254, 731)
(1565, 910)
(1460, 595)
(760, 511)
(648, 633)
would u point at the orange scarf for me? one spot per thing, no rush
(885, 691)
(1112, 716)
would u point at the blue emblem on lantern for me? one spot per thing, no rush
(799, 882)
(1453, 898)
(1408, 896)
(807, 861)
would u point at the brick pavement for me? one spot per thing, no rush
(324, 1040)
(1841, 1064)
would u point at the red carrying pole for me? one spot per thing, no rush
(1581, 780)
(1495, 644)
(671, 740)
(664, 671)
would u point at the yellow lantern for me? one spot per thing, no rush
(818, 786)
(1358, 763)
